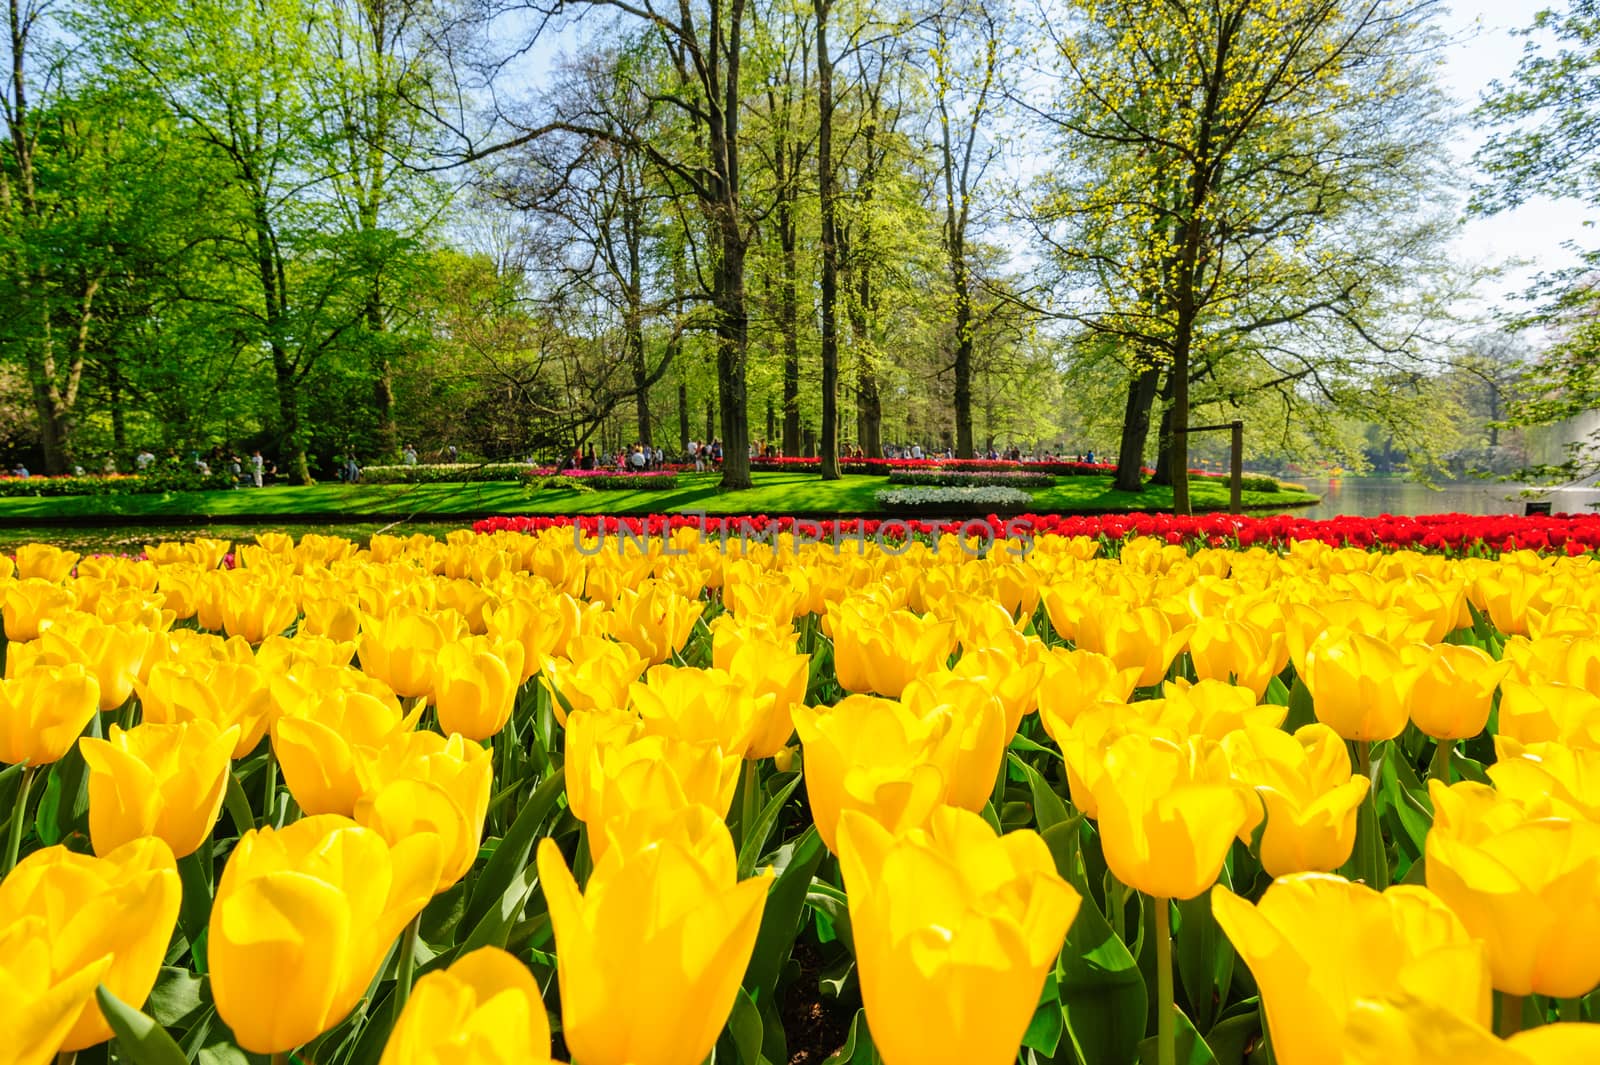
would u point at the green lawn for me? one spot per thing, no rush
(774, 493)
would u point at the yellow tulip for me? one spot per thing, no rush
(773, 669)
(954, 929)
(650, 954)
(882, 652)
(1013, 675)
(876, 756)
(634, 786)
(1536, 713)
(254, 605)
(1407, 1030)
(1141, 638)
(1319, 946)
(157, 780)
(485, 1008)
(980, 729)
(1309, 791)
(70, 914)
(327, 748)
(476, 686)
(422, 782)
(1526, 883)
(117, 655)
(28, 603)
(1168, 812)
(655, 620)
(402, 650)
(1454, 690)
(42, 711)
(1210, 708)
(1075, 681)
(596, 677)
(45, 562)
(543, 627)
(227, 694)
(303, 917)
(336, 618)
(42, 1006)
(1567, 778)
(697, 705)
(1238, 652)
(1359, 685)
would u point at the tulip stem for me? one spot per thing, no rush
(1571, 1010)
(1440, 768)
(269, 788)
(408, 959)
(1166, 1028)
(1510, 1016)
(750, 806)
(281, 1058)
(1364, 758)
(19, 814)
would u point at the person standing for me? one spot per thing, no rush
(258, 468)
(409, 457)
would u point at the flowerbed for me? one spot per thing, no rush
(1574, 534)
(154, 481)
(944, 500)
(445, 473)
(605, 480)
(1056, 468)
(972, 478)
(1064, 792)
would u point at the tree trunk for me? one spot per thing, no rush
(641, 379)
(963, 367)
(1136, 430)
(830, 250)
(388, 442)
(683, 417)
(789, 326)
(711, 419)
(1163, 465)
(733, 325)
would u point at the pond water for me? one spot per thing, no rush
(1371, 496)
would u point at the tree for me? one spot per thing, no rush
(705, 46)
(239, 80)
(1545, 140)
(965, 54)
(1241, 179)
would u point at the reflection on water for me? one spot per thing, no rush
(1371, 496)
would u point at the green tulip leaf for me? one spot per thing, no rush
(1191, 1048)
(1404, 808)
(178, 998)
(141, 1039)
(511, 855)
(1102, 991)
(1301, 710)
(494, 927)
(858, 1048)
(1048, 1023)
(755, 840)
(1205, 958)
(1230, 1037)
(780, 920)
(1048, 809)
(740, 1041)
